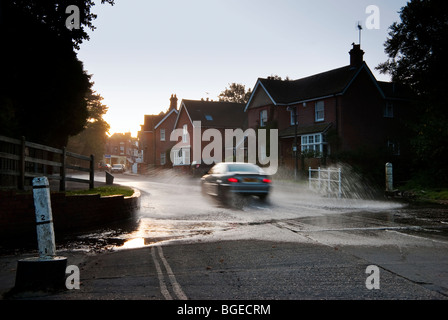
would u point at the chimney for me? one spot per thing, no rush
(356, 56)
(173, 102)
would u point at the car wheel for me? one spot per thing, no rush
(203, 192)
(222, 195)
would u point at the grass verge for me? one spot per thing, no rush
(104, 191)
(427, 194)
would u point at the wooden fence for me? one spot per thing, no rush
(21, 160)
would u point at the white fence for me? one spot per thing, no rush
(328, 181)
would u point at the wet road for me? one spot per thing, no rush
(174, 210)
(298, 245)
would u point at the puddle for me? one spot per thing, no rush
(134, 243)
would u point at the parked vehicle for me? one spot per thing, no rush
(228, 178)
(117, 168)
(104, 167)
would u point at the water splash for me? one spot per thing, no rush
(347, 185)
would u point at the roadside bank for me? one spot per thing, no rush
(71, 213)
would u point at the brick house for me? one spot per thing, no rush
(120, 149)
(154, 136)
(339, 111)
(211, 115)
(163, 144)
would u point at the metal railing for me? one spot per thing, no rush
(21, 160)
(326, 180)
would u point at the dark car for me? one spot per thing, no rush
(228, 178)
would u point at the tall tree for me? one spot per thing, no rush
(44, 87)
(418, 49)
(92, 139)
(235, 93)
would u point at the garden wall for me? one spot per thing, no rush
(71, 214)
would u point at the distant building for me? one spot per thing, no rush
(215, 115)
(121, 148)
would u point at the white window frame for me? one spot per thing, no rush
(185, 133)
(162, 159)
(313, 142)
(319, 111)
(181, 156)
(263, 117)
(162, 134)
(291, 115)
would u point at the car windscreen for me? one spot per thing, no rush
(243, 168)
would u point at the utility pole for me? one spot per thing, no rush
(295, 149)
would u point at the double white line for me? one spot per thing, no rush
(174, 284)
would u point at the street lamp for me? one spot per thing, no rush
(295, 149)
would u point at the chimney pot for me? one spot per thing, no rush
(173, 102)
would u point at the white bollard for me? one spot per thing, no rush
(46, 272)
(44, 218)
(389, 177)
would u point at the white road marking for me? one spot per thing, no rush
(174, 284)
(163, 288)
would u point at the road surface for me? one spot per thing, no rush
(297, 245)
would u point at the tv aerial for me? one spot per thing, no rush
(359, 28)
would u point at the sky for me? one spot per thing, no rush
(143, 51)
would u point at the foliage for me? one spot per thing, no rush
(45, 97)
(418, 49)
(235, 93)
(52, 14)
(277, 77)
(92, 139)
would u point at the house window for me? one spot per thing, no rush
(320, 111)
(292, 120)
(313, 143)
(393, 147)
(162, 159)
(208, 117)
(185, 133)
(162, 134)
(388, 110)
(181, 156)
(263, 117)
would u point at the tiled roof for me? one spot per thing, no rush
(395, 91)
(316, 86)
(216, 114)
(317, 128)
(151, 120)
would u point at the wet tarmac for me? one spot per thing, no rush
(428, 222)
(173, 210)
